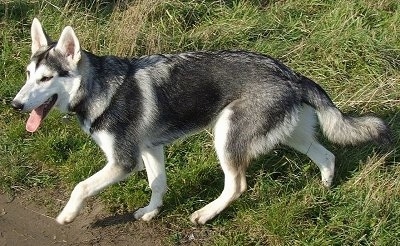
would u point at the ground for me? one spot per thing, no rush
(24, 222)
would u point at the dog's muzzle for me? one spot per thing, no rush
(17, 105)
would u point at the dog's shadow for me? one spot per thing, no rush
(115, 219)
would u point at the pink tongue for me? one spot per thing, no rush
(35, 118)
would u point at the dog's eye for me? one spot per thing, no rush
(45, 78)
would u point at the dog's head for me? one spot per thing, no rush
(52, 75)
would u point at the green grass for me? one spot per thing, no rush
(352, 48)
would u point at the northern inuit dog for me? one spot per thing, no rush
(133, 107)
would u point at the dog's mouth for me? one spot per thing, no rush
(38, 114)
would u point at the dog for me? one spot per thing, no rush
(132, 107)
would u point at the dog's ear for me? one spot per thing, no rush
(39, 37)
(68, 45)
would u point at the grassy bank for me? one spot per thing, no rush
(351, 48)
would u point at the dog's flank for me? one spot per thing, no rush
(133, 107)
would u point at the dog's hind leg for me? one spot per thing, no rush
(110, 174)
(324, 159)
(302, 139)
(234, 171)
(153, 159)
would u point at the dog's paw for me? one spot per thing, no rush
(69, 213)
(327, 182)
(327, 178)
(146, 213)
(65, 218)
(200, 217)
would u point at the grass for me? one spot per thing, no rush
(352, 48)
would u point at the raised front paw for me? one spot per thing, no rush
(69, 213)
(66, 217)
(146, 213)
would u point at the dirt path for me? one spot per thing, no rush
(23, 222)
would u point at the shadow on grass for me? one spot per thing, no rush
(98, 8)
(21, 11)
(15, 17)
(16, 11)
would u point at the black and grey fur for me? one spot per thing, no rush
(133, 107)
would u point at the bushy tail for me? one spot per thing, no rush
(340, 128)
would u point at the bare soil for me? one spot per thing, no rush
(23, 221)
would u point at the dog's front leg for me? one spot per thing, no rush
(110, 174)
(153, 158)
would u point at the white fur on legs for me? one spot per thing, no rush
(235, 180)
(153, 159)
(110, 174)
(324, 159)
(302, 140)
(232, 190)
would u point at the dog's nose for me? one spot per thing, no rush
(17, 105)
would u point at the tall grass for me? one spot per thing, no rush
(352, 48)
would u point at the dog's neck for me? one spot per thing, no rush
(100, 78)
